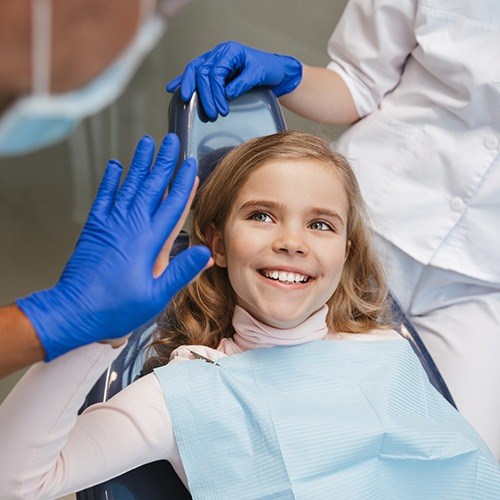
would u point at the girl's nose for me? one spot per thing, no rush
(290, 242)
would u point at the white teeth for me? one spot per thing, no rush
(285, 277)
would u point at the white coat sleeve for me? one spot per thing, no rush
(48, 451)
(369, 48)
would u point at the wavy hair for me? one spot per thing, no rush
(201, 313)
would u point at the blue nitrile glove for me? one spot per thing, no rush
(231, 69)
(107, 288)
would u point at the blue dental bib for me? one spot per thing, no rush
(327, 419)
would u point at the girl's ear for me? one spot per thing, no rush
(347, 249)
(216, 243)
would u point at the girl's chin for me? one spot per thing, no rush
(282, 315)
(281, 321)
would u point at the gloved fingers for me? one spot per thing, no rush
(182, 270)
(173, 207)
(223, 63)
(212, 74)
(204, 89)
(188, 81)
(153, 188)
(217, 80)
(244, 82)
(230, 60)
(139, 168)
(208, 74)
(107, 189)
(164, 256)
(174, 84)
(187, 84)
(227, 62)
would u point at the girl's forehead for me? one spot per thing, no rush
(296, 180)
(274, 164)
(311, 170)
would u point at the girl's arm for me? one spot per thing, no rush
(48, 451)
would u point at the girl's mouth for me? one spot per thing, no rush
(284, 276)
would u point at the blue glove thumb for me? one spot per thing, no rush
(183, 269)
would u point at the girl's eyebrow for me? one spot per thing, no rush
(311, 211)
(326, 212)
(262, 204)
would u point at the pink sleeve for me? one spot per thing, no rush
(48, 451)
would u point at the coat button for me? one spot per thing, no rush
(491, 142)
(457, 204)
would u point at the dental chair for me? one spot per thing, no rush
(253, 114)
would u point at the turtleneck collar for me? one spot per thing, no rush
(251, 333)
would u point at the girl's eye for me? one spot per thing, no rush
(261, 217)
(319, 225)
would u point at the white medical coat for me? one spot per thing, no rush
(425, 77)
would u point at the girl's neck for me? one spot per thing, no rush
(251, 333)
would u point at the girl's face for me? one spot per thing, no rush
(284, 243)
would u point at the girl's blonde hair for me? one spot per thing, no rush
(201, 313)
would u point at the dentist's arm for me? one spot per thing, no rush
(119, 275)
(322, 96)
(19, 344)
(231, 69)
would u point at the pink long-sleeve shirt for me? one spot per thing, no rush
(47, 450)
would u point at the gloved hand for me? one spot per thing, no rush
(231, 69)
(107, 288)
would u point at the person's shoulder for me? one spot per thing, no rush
(381, 334)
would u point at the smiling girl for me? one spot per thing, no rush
(277, 374)
(286, 223)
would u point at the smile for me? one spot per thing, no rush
(284, 276)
